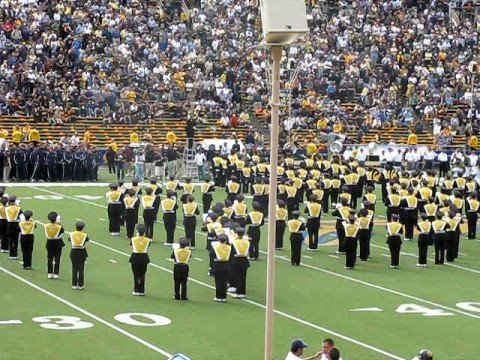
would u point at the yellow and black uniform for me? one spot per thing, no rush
(424, 239)
(296, 227)
(351, 241)
(188, 190)
(115, 205)
(139, 260)
(12, 212)
(53, 233)
(394, 241)
(472, 207)
(314, 211)
(341, 213)
(27, 238)
(180, 271)
(240, 265)
(169, 208)
(3, 228)
(190, 212)
(131, 205)
(409, 215)
(221, 267)
(207, 189)
(282, 217)
(258, 190)
(150, 206)
(439, 228)
(255, 220)
(239, 209)
(233, 189)
(452, 238)
(173, 186)
(78, 256)
(292, 203)
(364, 235)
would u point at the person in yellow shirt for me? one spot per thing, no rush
(134, 137)
(87, 136)
(3, 134)
(17, 135)
(311, 149)
(473, 142)
(412, 139)
(34, 135)
(322, 123)
(113, 144)
(171, 137)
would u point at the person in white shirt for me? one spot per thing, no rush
(444, 166)
(397, 160)
(410, 159)
(361, 157)
(327, 346)
(296, 350)
(429, 157)
(389, 156)
(201, 160)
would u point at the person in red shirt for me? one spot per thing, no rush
(234, 120)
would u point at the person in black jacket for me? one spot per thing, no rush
(54, 231)
(78, 254)
(139, 260)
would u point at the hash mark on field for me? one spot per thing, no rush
(308, 257)
(11, 322)
(198, 259)
(168, 259)
(112, 261)
(101, 219)
(334, 256)
(386, 255)
(78, 219)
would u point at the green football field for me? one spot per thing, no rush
(372, 312)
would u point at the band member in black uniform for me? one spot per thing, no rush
(207, 189)
(27, 227)
(172, 185)
(452, 235)
(409, 213)
(139, 260)
(472, 207)
(53, 232)
(292, 203)
(392, 202)
(190, 212)
(430, 208)
(239, 263)
(439, 226)
(78, 170)
(424, 239)
(240, 211)
(131, 204)
(258, 190)
(52, 165)
(149, 204)
(3, 224)
(335, 188)
(233, 188)
(67, 164)
(181, 255)
(394, 240)
(342, 212)
(13, 212)
(20, 160)
(313, 211)
(282, 217)
(296, 227)
(364, 233)
(78, 254)
(351, 241)
(169, 208)
(220, 266)
(254, 221)
(115, 203)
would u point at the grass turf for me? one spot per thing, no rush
(310, 300)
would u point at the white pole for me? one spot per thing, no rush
(272, 202)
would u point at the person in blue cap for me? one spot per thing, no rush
(296, 351)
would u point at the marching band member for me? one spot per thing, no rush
(281, 219)
(27, 228)
(53, 233)
(131, 205)
(255, 220)
(13, 212)
(472, 207)
(220, 266)
(149, 204)
(394, 240)
(233, 188)
(114, 199)
(409, 213)
(424, 239)
(452, 235)
(240, 264)
(188, 190)
(78, 254)
(139, 260)
(240, 211)
(3, 225)
(341, 212)
(181, 255)
(364, 233)
(351, 241)
(169, 208)
(296, 227)
(190, 212)
(207, 189)
(439, 227)
(313, 210)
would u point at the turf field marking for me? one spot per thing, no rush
(278, 312)
(112, 261)
(419, 309)
(370, 309)
(469, 306)
(384, 289)
(127, 318)
(416, 256)
(306, 256)
(11, 322)
(168, 259)
(101, 219)
(198, 259)
(88, 313)
(334, 256)
(53, 322)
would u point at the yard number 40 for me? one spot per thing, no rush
(419, 309)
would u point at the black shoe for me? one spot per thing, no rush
(184, 298)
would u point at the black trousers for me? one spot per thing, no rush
(394, 244)
(350, 251)
(313, 226)
(296, 240)
(180, 277)
(170, 230)
(439, 242)
(13, 233)
(341, 235)
(239, 269)
(26, 244)
(3, 234)
(279, 233)
(206, 202)
(254, 234)
(78, 267)
(326, 195)
(391, 211)
(410, 221)
(472, 218)
(53, 255)
(139, 271)
(334, 195)
(190, 223)
(221, 273)
(149, 218)
(450, 244)
(423, 240)
(114, 217)
(364, 242)
(111, 165)
(131, 220)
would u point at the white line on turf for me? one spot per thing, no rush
(88, 313)
(112, 261)
(334, 256)
(307, 257)
(198, 259)
(11, 322)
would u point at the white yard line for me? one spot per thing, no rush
(88, 313)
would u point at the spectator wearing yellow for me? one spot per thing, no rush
(171, 137)
(17, 135)
(3, 134)
(134, 137)
(87, 136)
(311, 149)
(113, 145)
(322, 123)
(412, 139)
(473, 142)
(34, 135)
